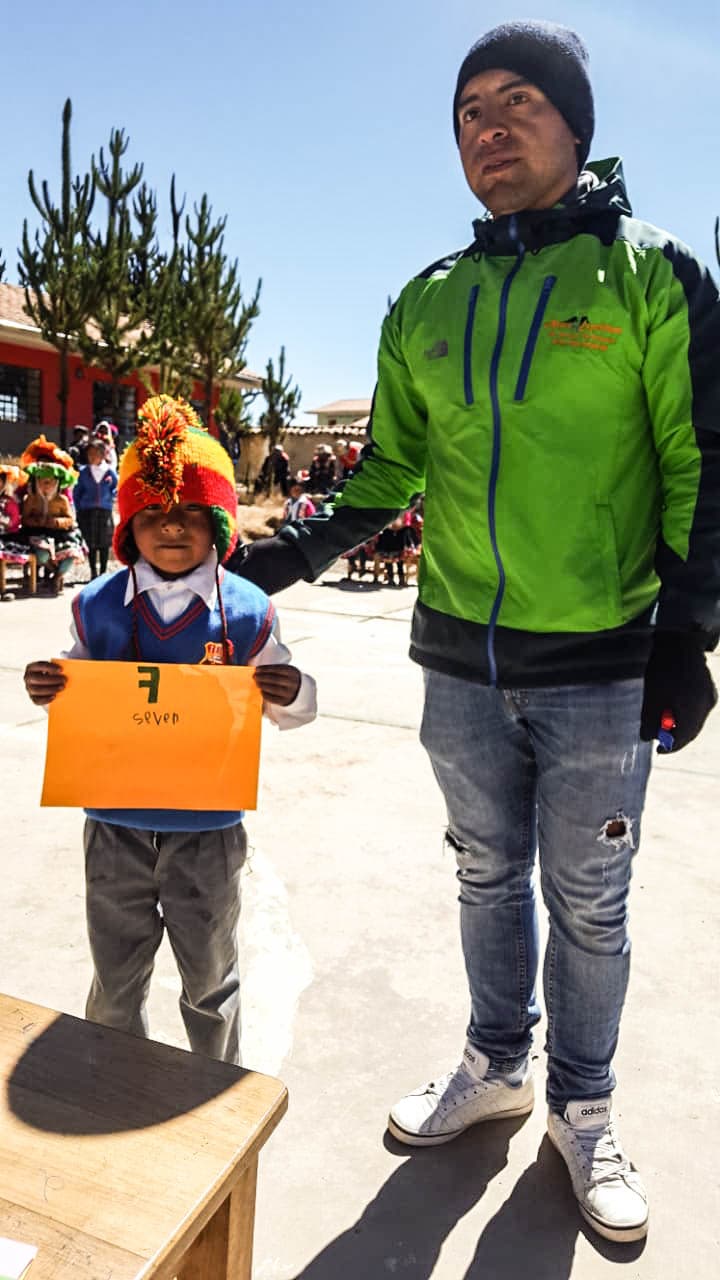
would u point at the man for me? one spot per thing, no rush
(554, 390)
(322, 470)
(275, 471)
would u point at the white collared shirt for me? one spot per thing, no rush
(171, 597)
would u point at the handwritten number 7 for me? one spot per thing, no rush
(152, 684)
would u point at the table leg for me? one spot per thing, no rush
(223, 1250)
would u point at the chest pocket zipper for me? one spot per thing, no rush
(467, 349)
(548, 285)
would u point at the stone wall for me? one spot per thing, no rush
(299, 448)
(253, 451)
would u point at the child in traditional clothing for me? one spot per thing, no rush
(357, 558)
(48, 518)
(297, 504)
(13, 548)
(415, 518)
(151, 870)
(94, 495)
(395, 546)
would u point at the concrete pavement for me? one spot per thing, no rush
(354, 991)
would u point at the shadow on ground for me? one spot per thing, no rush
(352, 585)
(403, 1229)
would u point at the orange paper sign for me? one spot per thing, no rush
(123, 735)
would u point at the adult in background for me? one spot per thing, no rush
(322, 472)
(554, 389)
(230, 441)
(275, 471)
(346, 456)
(78, 449)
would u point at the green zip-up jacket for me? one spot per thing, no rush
(554, 390)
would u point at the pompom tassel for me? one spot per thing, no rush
(161, 428)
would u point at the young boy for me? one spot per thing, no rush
(94, 497)
(152, 869)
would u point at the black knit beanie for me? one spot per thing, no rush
(547, 55)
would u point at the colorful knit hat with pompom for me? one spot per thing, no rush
(43, 459)
(174, 459)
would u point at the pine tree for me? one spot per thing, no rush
(118, 262)
(165, 291)
(281, 398)
(233, 410)
(717, 240)
(52, 267)
(218, 320)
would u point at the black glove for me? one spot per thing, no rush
(271, 563)
(678, 683)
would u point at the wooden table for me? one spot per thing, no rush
(124, 1159)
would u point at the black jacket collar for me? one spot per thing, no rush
(593, 206)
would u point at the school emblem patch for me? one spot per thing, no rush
(214, 653)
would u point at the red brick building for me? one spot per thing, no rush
(30, 380)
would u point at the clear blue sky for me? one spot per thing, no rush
(323, 130)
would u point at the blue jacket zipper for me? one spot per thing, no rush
(495, 463)
(548, 284)
(467, 352)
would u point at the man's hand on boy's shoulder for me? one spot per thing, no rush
(44, 681)
(278, 683)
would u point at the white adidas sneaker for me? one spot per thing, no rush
(609, 1191)
(440, 1111)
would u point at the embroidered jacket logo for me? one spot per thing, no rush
(437, 351)
(579, 331)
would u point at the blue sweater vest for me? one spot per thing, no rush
(88, 493)
(105, 626)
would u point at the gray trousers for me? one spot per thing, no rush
(139, 883)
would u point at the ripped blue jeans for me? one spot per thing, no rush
(561, 770)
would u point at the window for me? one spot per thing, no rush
(19, 394)
(124, 415)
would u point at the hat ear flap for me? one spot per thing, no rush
(124, 544)
(224, 533)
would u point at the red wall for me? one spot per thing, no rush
(81, 389)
